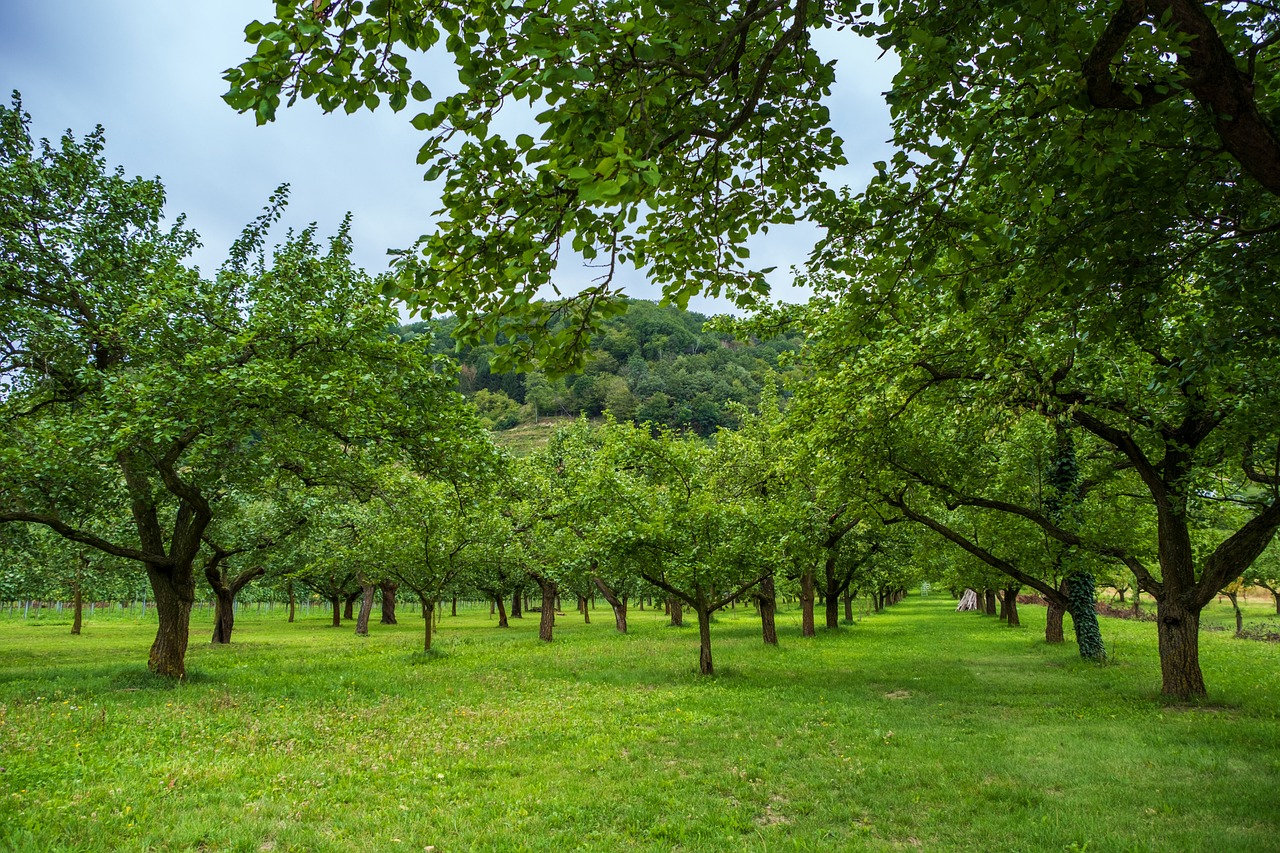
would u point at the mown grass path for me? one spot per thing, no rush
(918, 727)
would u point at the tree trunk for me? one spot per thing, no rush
(833, 611)
(502, 611)
(1235, 605)
(617, 602)
(224, 615)
(1084, 616)
(990, 598)
(337, 611)
(586, 611)
(388, 590)
(1053, 618)
(428, 610)
(454, 608)
(767, 602)
(78, 603)
(516, 611)
(548, 620)
(1178, 632)
(848, 608)
(366, 608)
(677, 612)
(173, 589)
(1003, 597)
(1011, 607)
(292, 602)
(349, 608)
(806, 604)
(704, 641)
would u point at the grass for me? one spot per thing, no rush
(918, 727)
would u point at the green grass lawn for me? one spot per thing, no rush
(916, 728)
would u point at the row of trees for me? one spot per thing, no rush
(1076, 235)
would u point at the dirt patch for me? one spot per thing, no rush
(898, 694)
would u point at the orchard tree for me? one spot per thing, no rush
(689, 536)
(432, 537)
(122, 367)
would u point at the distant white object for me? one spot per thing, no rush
(968, 601)
(925, 589)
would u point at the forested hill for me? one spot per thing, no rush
(652, 363)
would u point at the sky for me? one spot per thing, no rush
(150, 72)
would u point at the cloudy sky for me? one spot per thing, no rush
(150, 72)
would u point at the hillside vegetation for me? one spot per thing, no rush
(652, 363)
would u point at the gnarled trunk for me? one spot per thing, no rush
(806, 604)
(173, 589)
(388, 590)
(366, 608)
(1178, 633)
(548, 620)
(1011, 607)
(428, 610)
(767, 602)
(704, 641)
(617, 602)
(224, 616)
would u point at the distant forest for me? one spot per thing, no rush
(652, 363)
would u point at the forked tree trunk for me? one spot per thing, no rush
(428, 611)
(502, 611)
(77, 620)
(617, 602)
(548, 620)
(337, 611)
(677, 612)
(704, 642)
(1178, 633)
(388, 590)
(173, 589)
(767, 602)
(806, 604)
